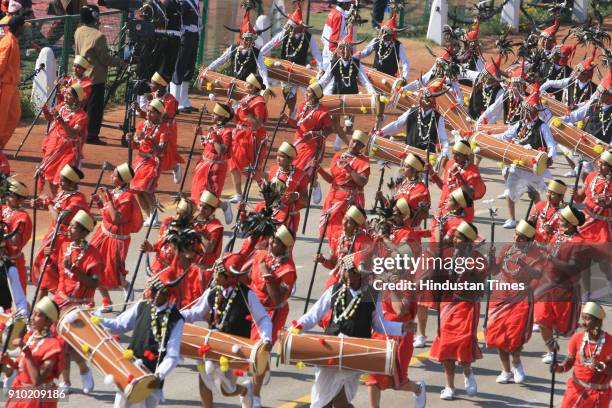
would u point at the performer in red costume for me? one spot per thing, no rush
(80, 265)
(250, 133)
(348, 174)
(459, 172)
(211, 169)
(590, 355)
(210, 229)
(273, 278)
(545, 214)
(557, 305)
(459, 313)
(20, 225)
(290, 183)
(159, 90)
(352, 238)
(79, 66)
(64, 142)
(164, 253)
(335, 29)
(511, 311)
(40, 360)
(121, 216)
(151, 140)
(313, 124)
(66, 204)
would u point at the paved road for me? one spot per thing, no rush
(290, 387)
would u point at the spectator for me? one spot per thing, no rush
(12, 9)
(90, 43)
(378, 12)
(10, 60)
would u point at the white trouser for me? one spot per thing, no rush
(329, 382)
(519, 181)
(151, 402)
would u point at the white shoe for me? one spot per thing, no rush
(236, 198)
(471, 388)
(247, 399)
(337, 144)
(503, 195)
(256, 402)
(536, 328)
(151, 221)
(317, 196)
(421, 398)
(8, 382)
(504, 378)
(88, 382)
(548, 358)
(185, 102)
(447, 394)
(571, 173)
(228, 214)
(177, 173)
(420, 341)
(510, 223)
(63, 388)
(518, 373)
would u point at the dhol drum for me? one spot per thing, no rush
(98, 347)
(354, 104)
(220, 85)
(344, 353)
(289, 72)
(485, 145)
(13, 326)
(577, 140)
(392, 152)
(242, 353)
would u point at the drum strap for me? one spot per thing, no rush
(341, 351)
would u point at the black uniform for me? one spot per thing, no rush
(188, 52)
(388, 64)
(346, 80)
(550, 72)
(531, 136)
(357, 325)
(598, 123)
(296, 49)
(574, 95)
(243, 64)
(481, 98)
(426, 137)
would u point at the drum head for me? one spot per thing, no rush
(262, 356)
(138, 390)
(540, 167)
(17, 331)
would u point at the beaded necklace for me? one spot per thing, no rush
(346, 78)
(82, 247)
(288, 174)
(602, 120)
(306, 113)
(34, 343)
(117, 191)
(60, 199)
(593, 186)
(242, 64)
(290, 50)
(407, 186)
(159, 334)
(388, 50)
(273, 262)
(575, 90)
(420, 125)
(487, 95)
(590, 360)
(219, 316)
(513, 108)
(559, 240)
(544, 218)
(511, 255)
(339, 306)
(342, 242)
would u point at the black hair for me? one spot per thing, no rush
(90, 14)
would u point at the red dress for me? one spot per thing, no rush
(343, 192)
(147, 165)
(59, 148)
(557, 299)
(113, 239)
(85, 259)
(211, 170)
(49, 348)
(459, 314)
(164, 253)
(544, 213)
(310, 119)
(416, 194)
(453, 180)
(211, 229)
(71, 201)
(340, 245)
(246, 140)
(511, 311)
(294, 181)
(18, 220)
(283, 274)
(191, 287)
(580, 392)
(598, 226)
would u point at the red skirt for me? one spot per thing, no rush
(596, 231)
(147, 172)
(305, 158)
(209, 175)
(458, 333)
(576, 396)
(50, 278)
(338, 202)
(509, 325)
(245, 144)
(560, 315)
(54, 161)
(114, 253)
(404, 355)
(171, 157)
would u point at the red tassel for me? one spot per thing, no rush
(238, 373)
(454, 106)
(533, 160)
(249, 318)
(203, 349)
(130, 378)
(2, 326)
(322, 341)
(330, 361)
(313, 62)
(117, 337)
(294, 322)
(289, 69)
(485, 121)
